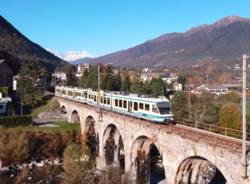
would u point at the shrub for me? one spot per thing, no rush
(83, 170)
(13, 121)
(13, 148)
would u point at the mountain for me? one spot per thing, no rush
(226, 39)
(81, 61)
(15, 43)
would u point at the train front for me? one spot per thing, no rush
(165, 111)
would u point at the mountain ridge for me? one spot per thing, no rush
(15, 43)
(226, 39)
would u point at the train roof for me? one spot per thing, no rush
(141, 98)
(117, 94)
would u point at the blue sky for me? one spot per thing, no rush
(104, 26)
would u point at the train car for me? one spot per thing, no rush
(153, 109)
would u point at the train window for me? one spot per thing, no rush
(95, 98)
(70, 93)
(101, 99)
(116, 102)
(125, 104)
(147, 107)
(164, 107)
(108, 101)
(89, 96)
(77, 94)
(135, 106)
(105, 100)
(64, 92)
(154, 109)
(141, 106)
(120, 103)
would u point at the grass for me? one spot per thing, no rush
(42, 108)
(63, 126)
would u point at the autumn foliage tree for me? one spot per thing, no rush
(230, 116)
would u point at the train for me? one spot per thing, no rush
(152, 109)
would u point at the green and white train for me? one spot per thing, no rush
(152, 109)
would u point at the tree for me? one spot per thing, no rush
(203, 106)
(90, 80)
(31, 83)
(230, 97)
(137, 87)
(116, 82)
(179, 105)
(182, 80)
(126, 83)
(77, 170)
(157, 87)
(70, 77)
(230, 116)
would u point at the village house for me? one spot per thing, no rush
(3, 104)
(59, 76)
(6, 84)
(211, 88)
(81, 68)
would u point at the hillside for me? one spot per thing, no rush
(16, 44)
(81, 61)
(226, 39)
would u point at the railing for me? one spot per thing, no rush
(213, 128)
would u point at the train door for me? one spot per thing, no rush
(129, 106)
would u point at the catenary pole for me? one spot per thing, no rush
(244, 153)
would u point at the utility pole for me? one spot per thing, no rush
(99, 94)
(244, 152)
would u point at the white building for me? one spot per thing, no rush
(177, 87)
(237, 67)
(171, 78)
(81, 68)
(3, 104)
(211, 88)
(146, 75)
(60, 75)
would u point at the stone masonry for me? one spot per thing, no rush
(175, 143)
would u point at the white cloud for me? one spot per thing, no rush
(70, 55)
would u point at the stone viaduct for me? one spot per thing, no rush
(188, 155)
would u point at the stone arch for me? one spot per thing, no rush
(145, 157)
(113, 147)
(74, 117)
(196, 169)
(91, 137)
(63, 109)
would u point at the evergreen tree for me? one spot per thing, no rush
(116, 82)
(157, 87)
(126, 83)
(83, 78)
(182, 80)
(70, 77)
(179, 105)
(31, 83)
